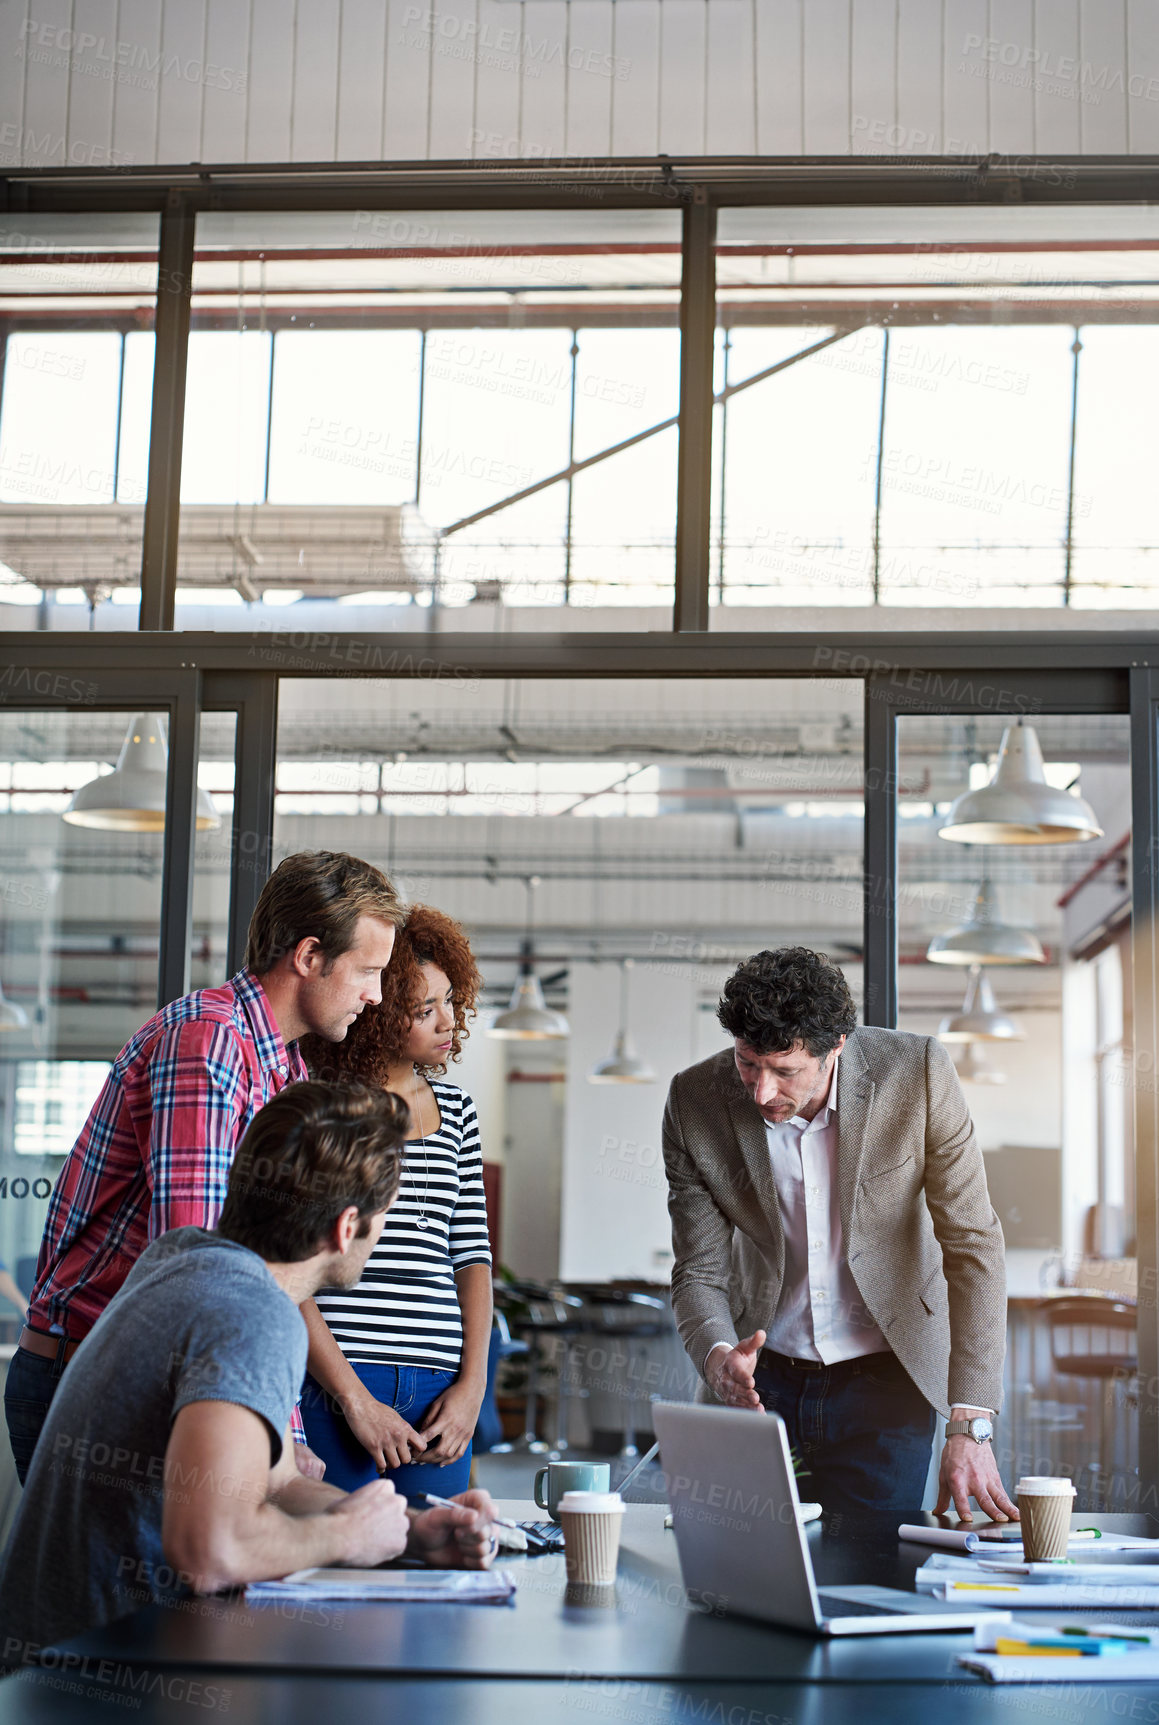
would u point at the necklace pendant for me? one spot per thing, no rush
(421, 1222)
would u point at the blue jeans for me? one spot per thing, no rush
(28, 1392)
(410, 1390)
(860, 1430)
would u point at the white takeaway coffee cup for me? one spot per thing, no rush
(1044, 1508)
(591, 1522)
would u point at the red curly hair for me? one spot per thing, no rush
(378, 1037)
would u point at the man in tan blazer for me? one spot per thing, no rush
(828, 1199)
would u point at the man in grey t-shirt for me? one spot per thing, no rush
(166, 1467)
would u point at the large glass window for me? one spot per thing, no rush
(957, 419)
(384, 411)
(76, 348)
(1115, 529)
(1017, 955)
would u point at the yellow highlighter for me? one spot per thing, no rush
(1051, 1652)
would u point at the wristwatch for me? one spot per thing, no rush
(979, 1428)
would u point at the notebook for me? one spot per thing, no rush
(400, 1586)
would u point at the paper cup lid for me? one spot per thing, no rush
(591, 1502)
(1044, 1485)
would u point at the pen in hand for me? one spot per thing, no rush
(437, 1502)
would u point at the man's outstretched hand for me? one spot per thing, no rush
(729, 1373)
(969, 1470)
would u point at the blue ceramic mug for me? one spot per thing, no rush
(561, 1476)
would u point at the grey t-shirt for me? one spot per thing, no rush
(197, 1319)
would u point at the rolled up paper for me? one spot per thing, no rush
(945, 1538)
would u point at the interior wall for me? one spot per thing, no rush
(533, 1159)
(94, 84)
(1027, 1109)
(615, 1213)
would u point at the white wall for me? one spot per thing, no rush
(1028, 1108)
(533, 1161)
(615, 1213)
(90, 83)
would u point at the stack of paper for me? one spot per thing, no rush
(969, 1581)
(403, 1586)
(1101, 1653)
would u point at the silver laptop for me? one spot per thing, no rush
(743, 1547)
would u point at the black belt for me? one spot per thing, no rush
(772, 1361)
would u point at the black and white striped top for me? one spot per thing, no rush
(405, 1310)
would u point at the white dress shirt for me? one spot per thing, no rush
(821, 1315)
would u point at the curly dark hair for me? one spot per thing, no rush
(777, 999)
(377, 1038)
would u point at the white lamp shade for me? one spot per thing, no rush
(132, 797)
(622, 1066)
(985, 940)
(972, 1069)
(980, 1019)
(1018, 807)
(529, 1018)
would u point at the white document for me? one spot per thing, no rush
(988, 1635)
(1141, 1667)
(1021, 1596)
(944, 1566)
(1142, 1574)
(402, 1586)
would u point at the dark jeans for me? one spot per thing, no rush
(410, 1390)
(860, 1431)
(28, 1392)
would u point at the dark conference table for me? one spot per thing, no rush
(642, 1654)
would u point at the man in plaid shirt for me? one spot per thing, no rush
(156, 1149)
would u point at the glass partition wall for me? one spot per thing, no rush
(1015, 949)
(617, 846)
(82, 842)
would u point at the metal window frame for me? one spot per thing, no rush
(167, 425)
(254, 699)
(1145, 1054)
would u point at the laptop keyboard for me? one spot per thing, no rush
(832, 1606)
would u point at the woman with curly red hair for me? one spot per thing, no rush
(398, 1364)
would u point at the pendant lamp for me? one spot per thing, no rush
(131, 799)
(980, 1019)
(622, 1066)
(12, 1017)
(529, 1018)
(972, 1069)
(985, 940)
(1018, 807)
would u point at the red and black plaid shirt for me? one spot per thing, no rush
(156, 1149)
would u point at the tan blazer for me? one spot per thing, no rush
(922, 1240)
